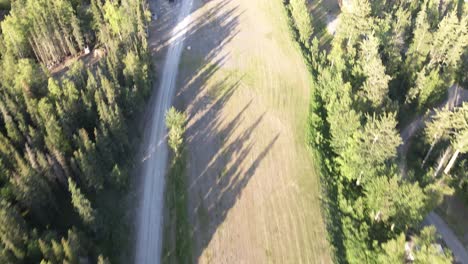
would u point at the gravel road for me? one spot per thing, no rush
(459, 252)
(149, 229)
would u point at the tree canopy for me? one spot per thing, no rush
(64, 136)
(387, 60)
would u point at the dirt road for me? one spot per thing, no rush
(154, 161)
(254, 193)
(457, 248)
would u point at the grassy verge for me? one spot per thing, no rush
(318, 140)
(177, 238)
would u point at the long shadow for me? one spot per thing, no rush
(213, 188)
(220, 22)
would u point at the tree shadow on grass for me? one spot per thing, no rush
(204, 60)
(218, 178)
(219, 165)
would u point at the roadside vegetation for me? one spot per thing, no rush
(64, 137)
(177, 227)
(388, 61)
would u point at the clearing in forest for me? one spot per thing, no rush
(252, 185)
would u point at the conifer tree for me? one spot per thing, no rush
(175, 122)
(375, 87)
(371, 148)
(449, 41)
(421, 44)
(71, 247)
(12, 130)
(394, 32)
(87, 160)
(343, 119)
(428, 85)
(356, 21)
(452, 126)
(402, 204)
(302, 19)
(81, 204)
(13, 233)
(31, 188)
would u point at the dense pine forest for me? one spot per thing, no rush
(388, 62)
(64, 151)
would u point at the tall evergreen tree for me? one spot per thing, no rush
(87, 160)
(13, 233)
(81, 204)
(452, 126)
(421, 44)
(356, 21)
(375, 87)
(402, 204)
(449, 41)
(370, 149)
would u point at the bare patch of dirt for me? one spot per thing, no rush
(88, 60)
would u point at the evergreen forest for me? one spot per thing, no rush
(387, 63)
(75, 75)
(64, 134)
